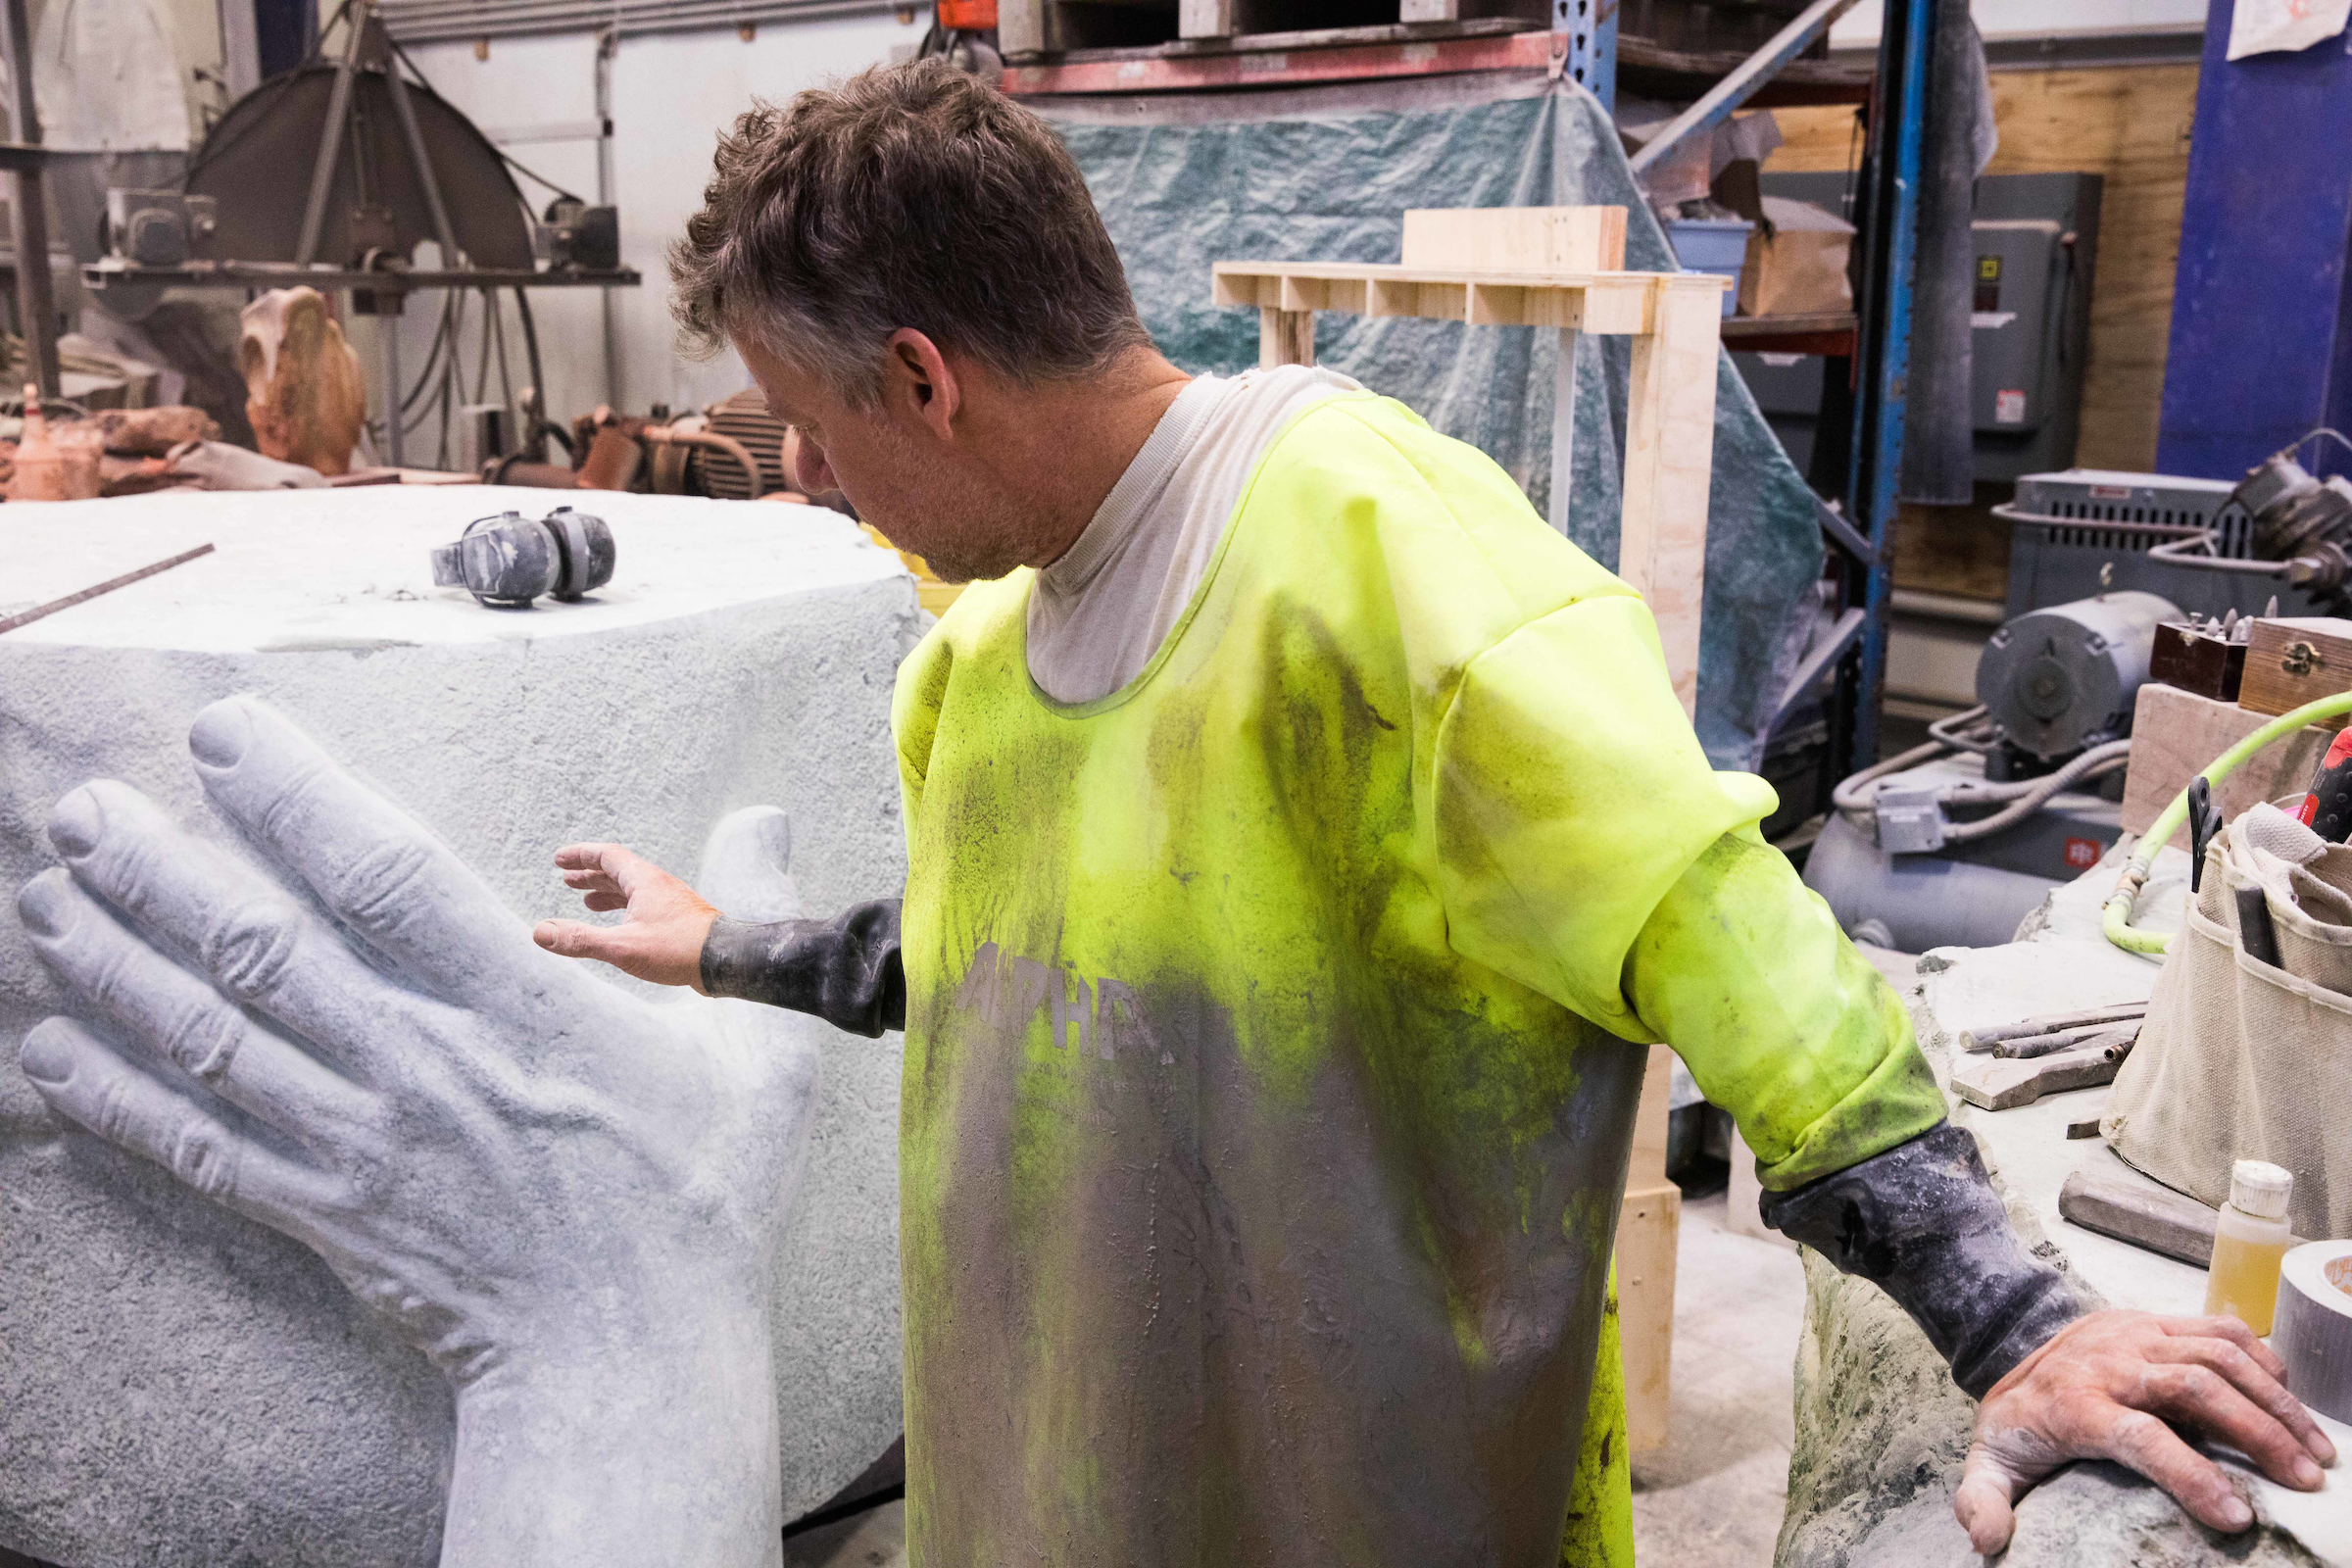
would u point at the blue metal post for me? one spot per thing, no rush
(1586, 38)
(1883, 347)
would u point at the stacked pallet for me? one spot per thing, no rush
(1031, 27)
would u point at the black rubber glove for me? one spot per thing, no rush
(845, 971)
(1923, 1223)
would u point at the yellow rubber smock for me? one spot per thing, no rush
(1268, 1088)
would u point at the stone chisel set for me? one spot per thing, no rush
(2043, 1055)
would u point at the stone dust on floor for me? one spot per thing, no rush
(1711, 1498)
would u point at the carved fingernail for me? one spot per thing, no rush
(75, 822)
(45, 1054)
(219, 734)
(43, 907)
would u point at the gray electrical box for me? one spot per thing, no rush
(2036, 238)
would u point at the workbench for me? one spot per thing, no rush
(1882, 1432)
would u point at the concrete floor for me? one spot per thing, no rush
(1711, 1498)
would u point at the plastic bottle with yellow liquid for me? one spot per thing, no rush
(2250, 1238)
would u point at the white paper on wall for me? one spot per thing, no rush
(2270, 26)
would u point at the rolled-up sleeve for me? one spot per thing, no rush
(1588, 851)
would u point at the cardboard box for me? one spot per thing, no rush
(1797, 261)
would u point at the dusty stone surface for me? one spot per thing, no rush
(184, 1387)
(1881, 1431)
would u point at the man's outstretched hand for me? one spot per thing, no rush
(662, 940)
(2106, 1386)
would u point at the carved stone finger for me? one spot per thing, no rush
(381, 871)
(180, 1020)
(95, 1086)
(258, 944)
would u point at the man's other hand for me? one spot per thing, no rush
(2105, 1386)
(662, 938)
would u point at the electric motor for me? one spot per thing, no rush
(2059, 680)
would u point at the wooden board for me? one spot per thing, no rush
(1263, 60)
(1673, 319)
(1613, 304)
(2176, 735)
(1649, 1229)
(1648, 1234)
(1669, 442)
(1962, 551)
(1549, 240)
(2129, 123)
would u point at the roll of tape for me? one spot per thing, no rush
(2313, 1329)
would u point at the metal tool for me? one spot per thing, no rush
(25, 618)
(2327, 808)
(507, 561)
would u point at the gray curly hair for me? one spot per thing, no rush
(910, 196)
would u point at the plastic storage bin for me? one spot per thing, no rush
(1717, 245)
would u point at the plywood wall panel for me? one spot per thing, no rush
(2129, 123)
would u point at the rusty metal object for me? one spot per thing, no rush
(302, 380)
(614, 458)
(521, 471)
(153, 432)
(745, 418)
(609, 468)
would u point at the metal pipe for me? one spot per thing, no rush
(2010, 511)
(36, 303)
(608, 44)
(446, 20)
(387, 328)
(338, 109)
(1736, 88)
(405, 114)
(2172, 554)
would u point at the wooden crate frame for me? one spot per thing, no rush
(1672, 318)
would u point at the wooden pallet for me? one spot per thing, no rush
(1554, 268)
(1027, 29)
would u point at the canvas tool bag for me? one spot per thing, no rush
(2243, 1059)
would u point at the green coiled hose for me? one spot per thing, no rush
(2117, 922)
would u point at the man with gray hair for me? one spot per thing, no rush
(1302, 838)
(1299, 833)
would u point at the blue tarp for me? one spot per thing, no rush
(1326, 175)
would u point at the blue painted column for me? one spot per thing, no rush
(2261, 344)
(1889, 218)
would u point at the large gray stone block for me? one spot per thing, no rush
(180, 1385)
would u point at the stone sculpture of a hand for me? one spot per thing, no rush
(566, 1195)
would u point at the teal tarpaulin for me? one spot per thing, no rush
(1326, 175)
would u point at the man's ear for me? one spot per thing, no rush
(916, 372)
